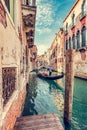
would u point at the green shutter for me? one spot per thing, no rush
(12, 9)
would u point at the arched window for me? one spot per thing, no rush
(73, 19)
(78, 39)
(83, 7)
(83, 36)
(70, 46)
(66, 44)
(73, 41)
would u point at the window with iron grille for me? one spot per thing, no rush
(8, 82)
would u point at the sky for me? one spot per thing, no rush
(49, 19)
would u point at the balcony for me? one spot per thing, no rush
(30, 45)
(29, 20)
(30, 33)
(28, 3)
(83, 15)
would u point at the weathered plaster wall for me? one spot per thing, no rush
(80, 56)
(12, 49)
(80, 59)
(14, 111)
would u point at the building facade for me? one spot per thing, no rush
(29, 18)
(57, 52)
(42, 60)
(75, 26)
(14, 61)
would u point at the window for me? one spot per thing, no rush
(83, 7)
(70, 46)
(31, 33)
(10, 6)
(7, 4)
(73, 19)
(66, 27)
(66, 44)
(83, 36)
(8, 82)
(78, 39)
(27, 2)
(73, 41)
(30, 40)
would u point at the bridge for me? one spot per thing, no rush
(39, 122)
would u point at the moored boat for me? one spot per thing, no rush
(54, 77)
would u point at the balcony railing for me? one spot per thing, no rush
(30, 45)
(83, 14)
(8, 82)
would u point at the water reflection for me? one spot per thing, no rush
(48, 97)
(29, 106)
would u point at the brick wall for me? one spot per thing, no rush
(14, 111)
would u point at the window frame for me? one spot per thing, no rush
(78, 39)
(73, 41)
(83, 39)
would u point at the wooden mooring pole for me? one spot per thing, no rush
(69, 86)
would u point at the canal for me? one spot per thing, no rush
(48, 97)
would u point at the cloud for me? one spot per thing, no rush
(41, 49)
(44, 17)
(45, 30)
(48, 23)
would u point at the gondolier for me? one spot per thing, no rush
(50, 77)
(50, 71)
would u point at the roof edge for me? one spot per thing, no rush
(71, 10)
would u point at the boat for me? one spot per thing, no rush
(44, 76)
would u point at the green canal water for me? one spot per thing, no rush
(48, 97)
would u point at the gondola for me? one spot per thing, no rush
(50, 77)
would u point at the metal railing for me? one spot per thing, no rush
(8, 82)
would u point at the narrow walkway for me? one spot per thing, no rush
(39, 122)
